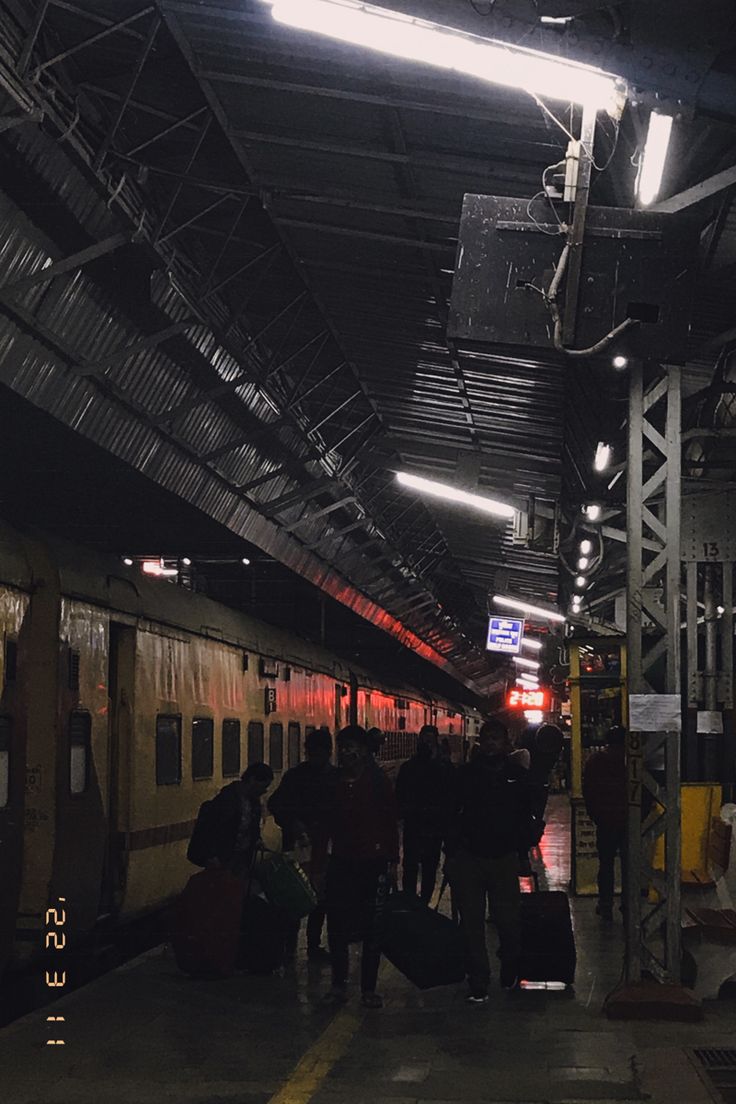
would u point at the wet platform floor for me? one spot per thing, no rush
(145, 1034)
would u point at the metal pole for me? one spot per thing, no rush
(575, 239)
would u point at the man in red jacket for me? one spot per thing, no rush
(365, 852)
(604, 793)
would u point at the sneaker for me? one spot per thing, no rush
(372, 1000)
(509, 975)
(318, 954)
(477, 997)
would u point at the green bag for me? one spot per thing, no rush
(286, 885)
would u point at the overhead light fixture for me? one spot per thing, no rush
(157, 569)
(580, 581)
(530, 642)
(127, 561)
(419, 40)
(556, 20)
(532, 664)
(592, 512)
(654, 157)
(454, 494)
(602, 456)
(583, 563)
(586, 547)
(620, 362)
(245, 561)
(526, 607)
(187, 562)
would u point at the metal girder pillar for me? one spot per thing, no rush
(653, 620)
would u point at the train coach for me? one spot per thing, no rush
(125, 702)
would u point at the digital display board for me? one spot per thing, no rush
(505, 635)
(527, 699)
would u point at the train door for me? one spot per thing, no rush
(121, 658)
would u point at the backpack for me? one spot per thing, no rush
(201, 844)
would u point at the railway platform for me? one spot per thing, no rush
(146, 1034)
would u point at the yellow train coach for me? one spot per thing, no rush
(126, 702)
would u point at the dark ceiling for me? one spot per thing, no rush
(262, 226)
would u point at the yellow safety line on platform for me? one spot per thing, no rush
(318, 1061)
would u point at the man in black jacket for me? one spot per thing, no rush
(492, 822)
(423, 794)
(234, 820)
(302, 806)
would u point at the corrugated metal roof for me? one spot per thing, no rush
(299, 204)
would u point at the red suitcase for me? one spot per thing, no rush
(206, 927)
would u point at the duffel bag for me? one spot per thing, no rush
(424, 945)
(286, 885)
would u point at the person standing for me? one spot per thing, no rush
(492, 823)
(301, 806)
(423, 789)
(234, 820)
(365, 850)
(604, 794)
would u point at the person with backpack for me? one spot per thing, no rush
(228, 828)
(605, 797)
(362, 866)
(492, 821)
(423, 786)
(301, 806)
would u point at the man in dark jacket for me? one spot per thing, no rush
(365, 851)
(604, 793)
(423, 793)
(492, 822)
(302, 806)
(235, 820)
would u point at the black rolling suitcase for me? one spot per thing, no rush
(547, 940)
(424, 945)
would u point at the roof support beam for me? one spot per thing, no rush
(91, 41)
(140, 63)
(704, 190)
(68, 264)
(119, 356)
(162, 133)
(319, 513)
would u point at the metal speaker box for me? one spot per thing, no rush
(637, 264)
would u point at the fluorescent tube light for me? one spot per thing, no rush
(532, 664)
(454, 494)
(654, 157)
(586, 547)
(602, 457)
(418, 40)
(529, 642)
(525, 607)
(155, 567)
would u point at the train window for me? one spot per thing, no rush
(255, 742)
(168, 750)
(294, 738)
(80, 733)
(4, 761)
(276, 746)
(11, 660)
(230, 748)
(203, 740)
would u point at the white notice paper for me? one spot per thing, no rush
(655, 713)
(709, 721)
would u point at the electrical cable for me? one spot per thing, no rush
(588, 153)
(549, 233)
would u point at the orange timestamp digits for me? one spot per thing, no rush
(55, 940)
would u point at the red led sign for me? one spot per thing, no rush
(527, 699)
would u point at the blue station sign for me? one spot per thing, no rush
(505, 635)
